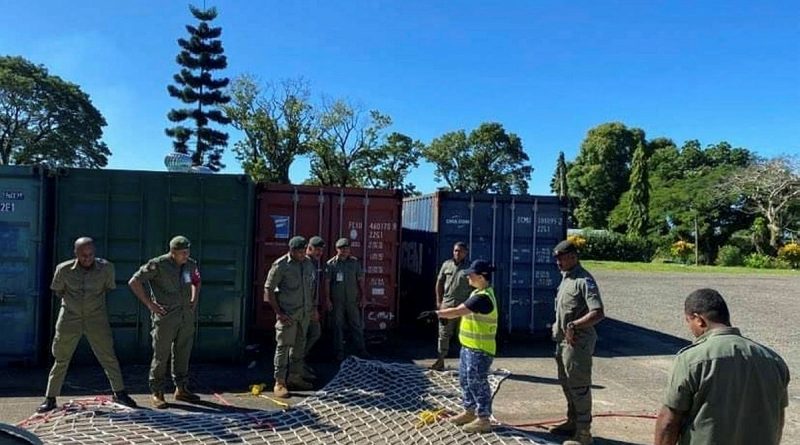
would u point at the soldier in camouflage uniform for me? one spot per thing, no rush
(578, 308)
(289, 290)
(724, 388)
(81, 284)
(174, 290)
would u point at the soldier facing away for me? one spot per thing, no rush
(82, 284)
(724, 388)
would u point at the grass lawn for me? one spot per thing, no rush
(678, 268)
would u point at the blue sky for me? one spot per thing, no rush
(547, 71)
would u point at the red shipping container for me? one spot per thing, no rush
(369, 218)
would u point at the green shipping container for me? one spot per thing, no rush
(23, 294)
(132, 215)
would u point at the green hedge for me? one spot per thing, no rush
(611, 246)
(730, 256)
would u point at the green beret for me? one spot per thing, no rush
(180, 242)
(343, 242)
(565, 246)
(316, 241)
(298, 242)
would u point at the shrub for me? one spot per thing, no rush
(612, 246)
(682, 249)
(730, 256)
(578, 241)
(759, 261)
(790, 253)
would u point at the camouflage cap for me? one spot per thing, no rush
(343, 242)
(565, 246)
(298, 242)
(179, 242)
(316, 241)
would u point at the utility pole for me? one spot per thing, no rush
(696, 244)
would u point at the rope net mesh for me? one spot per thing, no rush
(368, 402)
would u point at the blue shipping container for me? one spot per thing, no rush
(22, 257)
(516, 233)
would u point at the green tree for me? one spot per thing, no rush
(639, 193)
(599, 175)
(388, 165)
(558, 185)
(276, 123)
(47, 120)
(771, 188)
(201, 55)
(488, 160)
(684, 184)
(343, 138)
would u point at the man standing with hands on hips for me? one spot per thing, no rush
(174, 282)
(578, 309)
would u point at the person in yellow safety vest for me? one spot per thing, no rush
(477, 332)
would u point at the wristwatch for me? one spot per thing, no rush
(571, 325)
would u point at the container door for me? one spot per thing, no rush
(215, 213)
(371, 221)
(21, 243)
(281, 213)
(109, 207)
(532, 226)
(472, 220)
(132, 216)
(550, 228)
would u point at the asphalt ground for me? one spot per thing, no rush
(634, 354)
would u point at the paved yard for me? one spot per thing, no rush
(645, 328)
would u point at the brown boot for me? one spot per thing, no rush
(296, 383)
(464, 418)
(479, 425)
(438, 365)
(184, 395)
(566, 428)
(157, 401)
(581, 437)
(280, 391)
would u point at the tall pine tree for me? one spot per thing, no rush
(201, 54)
(638, 217)
(558, 184)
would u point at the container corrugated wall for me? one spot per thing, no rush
(515, 232)
(369, 218)
(132, 215)
(23, 291)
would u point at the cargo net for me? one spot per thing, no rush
(368, 402)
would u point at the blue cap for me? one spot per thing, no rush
(480, 267)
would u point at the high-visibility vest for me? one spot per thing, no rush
(477, 331)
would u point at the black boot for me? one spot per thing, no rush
(49, 404)
(123, 398)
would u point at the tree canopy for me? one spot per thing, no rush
(600, 173)
(276, 123)
(47, 120)
(487, 160)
